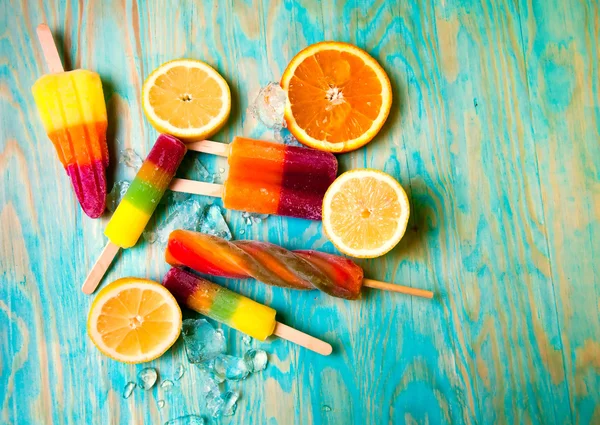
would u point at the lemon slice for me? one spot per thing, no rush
(186, 98)
(365, 213)
(134, 320)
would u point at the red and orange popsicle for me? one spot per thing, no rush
(268, 178)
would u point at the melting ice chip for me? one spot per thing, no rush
(167, 385)
(187, 420)
(147, 378)
(131, 159)
(202, 341)
(116, 194)
(269, 105)
(179, 372)
(185, 217)
(230, 368)
(129, 387)
(256, 360)
(213, 223)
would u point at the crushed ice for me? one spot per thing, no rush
(213, 223)
(131, 159)
(114, 198)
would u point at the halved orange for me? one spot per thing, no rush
(134, 320)
(186, 98)
(365, 213)
(338, 96)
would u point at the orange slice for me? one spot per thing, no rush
(365, 213)
(134, 320)
(186, 98)
(338, 96)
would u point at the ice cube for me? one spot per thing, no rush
(213, 223)
(116, 194)
(160, 404)
(187, 420)
(256, 360)
(326, 408)
(247, 340)
(147, 378)
(230, 404)
(230, 368)
(131, 159)
(223, 404)
(179, 372)
(185, 217)
(129, 387)
(287, 138)
(202, 341)
(269, 105)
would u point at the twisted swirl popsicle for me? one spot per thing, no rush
(304, 269)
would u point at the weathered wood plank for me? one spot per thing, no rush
(494, 134)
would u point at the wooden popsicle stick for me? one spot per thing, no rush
(99, 270)
(397, 288)
(300, 338)
(49, 49)
(208, 146)
(199, 188)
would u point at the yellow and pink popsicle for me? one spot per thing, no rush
(234, 310)
(141, 199)
(72, 108)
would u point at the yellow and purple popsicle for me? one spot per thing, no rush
(221, 304)
(234, 310)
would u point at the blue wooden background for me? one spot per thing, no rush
(494, 133)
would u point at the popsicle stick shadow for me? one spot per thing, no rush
(60, 42)
(111, 132)
(235, 114)
(416, 230)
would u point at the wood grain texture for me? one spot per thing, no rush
(494, 133)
